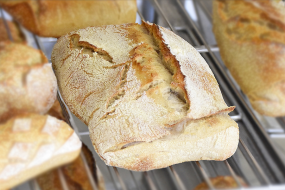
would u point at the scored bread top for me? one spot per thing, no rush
(114, 77)
(32, 144)
(27, 82)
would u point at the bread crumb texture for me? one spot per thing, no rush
(138, 88)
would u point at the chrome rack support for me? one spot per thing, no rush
(150, 182)
(178, 179)
(6, 25)
(233, 173)
(123, 185)
(205, 176)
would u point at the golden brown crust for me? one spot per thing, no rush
(55, 18)
(128, 83)
(251, 37)
(221, 182)
(15, 31)
(56, 111)
(27, 83)
(32, 144)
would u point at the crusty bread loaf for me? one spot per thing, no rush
(16, 33)
(74, 174)
(27, 84)
(54, 18)
(148, 97)
(251, 37)
(221, 182)
(32, 144)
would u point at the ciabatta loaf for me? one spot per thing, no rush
(27, 83)
(32, 144)
(251, 37)
(148, 97)
(54, 18)
(73, 174)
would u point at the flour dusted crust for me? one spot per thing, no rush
(32, 144)
(27, 83)
(251, 38)
(135, 89)
(52, 18)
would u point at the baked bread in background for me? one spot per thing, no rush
(74, 174)
(32, 144)
(27, 83)
(54, 18)
(222, 182)
(251, 38)
(148, 97)
(56, 111)
(17, 35)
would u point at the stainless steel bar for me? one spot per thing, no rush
(39, 43)
(178, 179)
(265, 178)
(150, 182)
(237, 117)
(123, 185)
(87, 169)
(205, 176)
(275, 131)
(136, 184)
(233, 173)
(6, 25)
(62, 180)
(164, 16)
(113, 180)
(140, 14)
(203, 49)
(277, 136)
(34, 185)
(215, 171)
(206, 11)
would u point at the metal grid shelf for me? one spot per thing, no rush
(256, 160)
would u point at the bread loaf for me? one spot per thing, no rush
(32, 144)
(222, 182)
(54, 18)
(148, 97)
(27, 84)
(56, 111)
(251, 38)
(14, 30)
(74, 174)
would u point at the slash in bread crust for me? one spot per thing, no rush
(133, 85)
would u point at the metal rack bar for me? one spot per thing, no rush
(136, 184)
(265, 178)
(62, 180)
(123, 185)
(233, 173)
(206, 11)
(165, 18)
(178, 179)
(87, 169)
(150, 182)
(205, 176)
(113, 180)
(6, 25)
